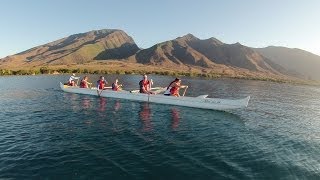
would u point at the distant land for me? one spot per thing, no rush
(300, 61)
(114, 51)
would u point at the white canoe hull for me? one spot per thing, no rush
(196, 102)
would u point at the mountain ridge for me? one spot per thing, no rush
(296, 60)
(78, 48)
(187, 53)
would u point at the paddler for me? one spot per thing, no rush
(115, 86)
(174, 87)
(145, 85)
(101, 83)
(72, 79)
(84, 82)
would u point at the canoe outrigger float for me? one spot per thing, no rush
(196, 102)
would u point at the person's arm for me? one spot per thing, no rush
(143, 90)
(149, 85)
(180, 86)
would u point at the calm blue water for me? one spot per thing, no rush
(49, 134)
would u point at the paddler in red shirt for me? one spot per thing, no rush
(174, 87)
(101, 83)
(145, 85)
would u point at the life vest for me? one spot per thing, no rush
(83, 84)
(114, 87)
(101, 84)
(144, 85)
(174, 90)
(71, 83)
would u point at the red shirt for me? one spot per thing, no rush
(144, 86)
(83, 84)
(174, 90)
(101, 84)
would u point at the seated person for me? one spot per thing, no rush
(72, 79)
(115, 86)
(84, 82)
(145, 85)
(174, 87)
(101, 83)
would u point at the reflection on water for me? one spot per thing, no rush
(102, 107)
(116, 116)
(145, 117)
(45, 132)
(117, 105)
(102, 104)
(175, 118)
(85, 102)
(72, 99)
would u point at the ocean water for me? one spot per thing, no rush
(46, 133)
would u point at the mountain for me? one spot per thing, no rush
(174, 52)
(208, 53)
(76, 49)
(300, 61)
(101, 48)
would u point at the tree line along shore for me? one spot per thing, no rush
(210, 75)
(46, 70)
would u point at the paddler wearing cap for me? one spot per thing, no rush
(72, 79)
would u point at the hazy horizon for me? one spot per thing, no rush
(287, 23)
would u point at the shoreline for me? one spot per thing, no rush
(57, 71)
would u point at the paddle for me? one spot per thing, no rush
(77, 82)
(150, 84)
(107, 87)
(185, 90)
(119, 87)
(99, 93)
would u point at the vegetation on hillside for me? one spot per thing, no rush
(47, 70)
(78, 70)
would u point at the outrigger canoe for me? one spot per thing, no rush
(202, 101)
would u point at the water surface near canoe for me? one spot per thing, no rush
(47, 133)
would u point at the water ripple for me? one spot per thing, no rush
(48, 134)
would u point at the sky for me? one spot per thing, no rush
(255, 23)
